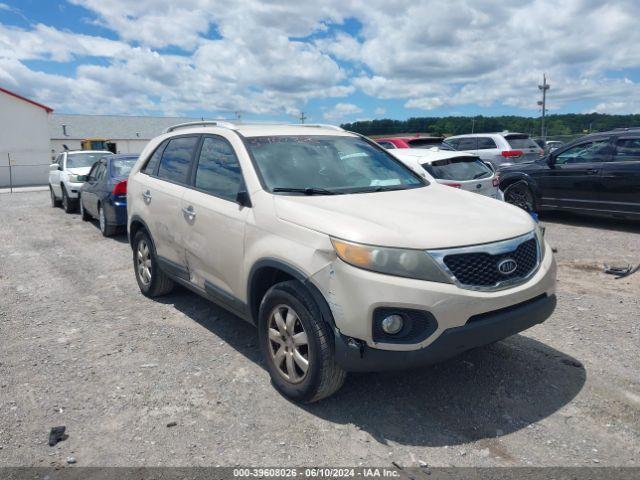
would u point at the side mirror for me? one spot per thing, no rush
(53, 167)
(243, 199)
(82, 178)
(551, 160)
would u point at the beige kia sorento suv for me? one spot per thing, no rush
(344, 258)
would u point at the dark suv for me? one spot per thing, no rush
(598, 174)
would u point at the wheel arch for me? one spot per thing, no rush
(509, 180)
(135, 225)
(267, 272)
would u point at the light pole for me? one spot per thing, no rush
(544, 87)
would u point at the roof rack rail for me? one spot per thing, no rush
(317, 125)
(204, 123)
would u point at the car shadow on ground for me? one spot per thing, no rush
(484, 393)
(120, 235)
(579, 220)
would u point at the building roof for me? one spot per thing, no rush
(20, 97)
(111, 127)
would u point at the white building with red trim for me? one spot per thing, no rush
(25, 146)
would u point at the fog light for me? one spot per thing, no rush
(392, 324)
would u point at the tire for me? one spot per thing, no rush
(68, 205)
(83, 213)
(156, 283)
(106, 229)
(284, 351)
(54, 200)
(520, 195)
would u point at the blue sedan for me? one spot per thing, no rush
(104, 195)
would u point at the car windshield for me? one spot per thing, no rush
(120, 167)
(322, 165)
(460, 168)
(78, 160)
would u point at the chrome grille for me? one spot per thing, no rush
(478, 267)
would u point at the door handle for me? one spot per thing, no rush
(592, 171)
(146, 196)
(189, 212)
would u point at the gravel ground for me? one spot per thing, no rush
(81, 347)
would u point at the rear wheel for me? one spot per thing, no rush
(54, 200)
(520, 195)
(106, 229)
(152, 281)
(296, 344)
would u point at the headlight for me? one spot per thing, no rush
(75, 178)
(391, 261)
(540, 238)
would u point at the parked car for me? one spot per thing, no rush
(391, 143)
(104, 195)
(504, 148)
(598, 174)
(455, 169)
(344, 258)
(66, 173)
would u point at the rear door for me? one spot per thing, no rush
(489, 151)
(621, 177)
(467, 144)
(213, 223)
(162, 187)
(574, 179)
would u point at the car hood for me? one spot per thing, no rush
(435, 216)
(79, 170)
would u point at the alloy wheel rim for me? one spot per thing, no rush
(143, 262)
(288, 344)
(519, 198)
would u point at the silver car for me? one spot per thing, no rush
(499, 149)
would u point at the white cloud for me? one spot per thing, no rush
(340, 111)
(245, 55)
(379, 111)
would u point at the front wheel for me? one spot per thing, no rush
(83, 213)
(54, 200)
(520, 195)
(67, 204)
(296, 344)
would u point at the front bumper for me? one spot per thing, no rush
(478, 331)
(73, 189)
(354, 294)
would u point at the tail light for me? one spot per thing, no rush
(120, 188)
(511, 153)
(454, 185)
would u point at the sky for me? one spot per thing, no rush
(335, 60)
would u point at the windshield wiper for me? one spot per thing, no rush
(306, 191)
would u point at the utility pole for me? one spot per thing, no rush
(544, 87)
(303, 117)
(473, 124)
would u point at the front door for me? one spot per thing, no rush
(573, 179)
(621, 177)
(214, 223)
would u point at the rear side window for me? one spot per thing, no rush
(218, 169)
(152, 163)
(486, 143)
(176, 159)
(461, 168)
(454, 142)
(520, 141)
(467, 144)
(627, 150)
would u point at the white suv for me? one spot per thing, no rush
(344, 258)
(499, 149)
(67, 175)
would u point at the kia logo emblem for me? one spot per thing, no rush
(507, 266)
